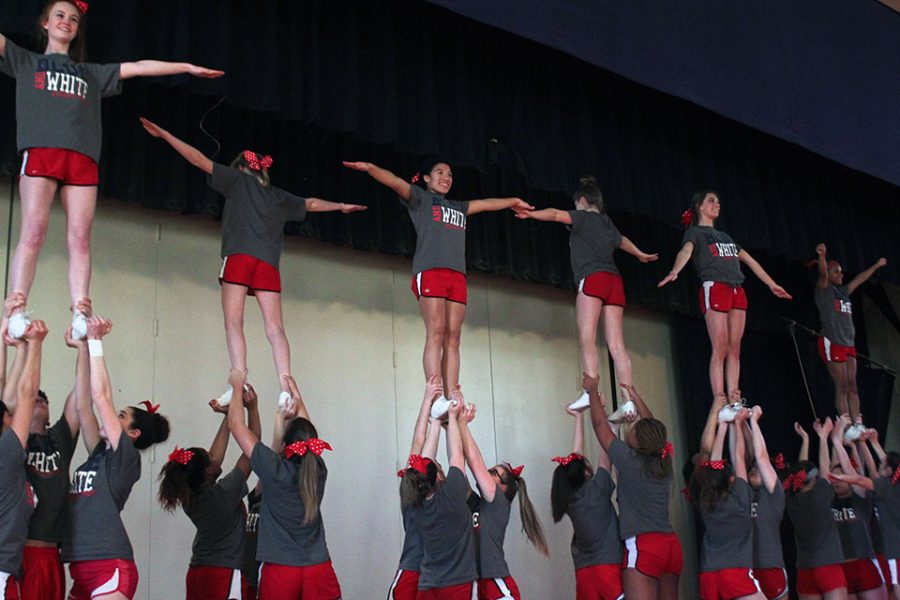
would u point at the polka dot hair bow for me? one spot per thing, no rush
(715, 465)
(151, 408)
(667, 450)
(896, 476)
(181, 456)
(314, 445)
(795, 482)
(255, 163)
(82, 6)
(686, 217)
(565, 460)
(416, 462)
(779, 461)
(415, 178)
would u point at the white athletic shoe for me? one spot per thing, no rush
(584, 400)
(284, 398)
(79, 326)
(624, 411)
(18, 323)
(728, 412)
(441, 407)
(225, 399)
(854, 432)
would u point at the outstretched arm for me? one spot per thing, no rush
(101, 389)
(319, 205)
(629, 247)
(757, 269)
(803, 454)
(545, 214)
(718, 448)
(82, 388)
(740, 458)
(191, 154)
(639, 405)
(242, 434)
(494, 204)
(761, 453)
(864, 276)
(822, 266)
(251, 401)
(11, 386)
(855, 480)
(382, 176)
(879, 450)
(455, 456)
(155, 68)
(30, 382)
(823, 429)
(681, 259)
(220, 441)
(473, 455)
(600, 422)
(709, 430)
(296, 397)
(863, 450)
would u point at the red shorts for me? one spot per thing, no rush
(252, 273)
(9, 587)
(66, 166)
(251, 593)
(772, 582)
(606, 286)
(721, 297)
(862, 574)
(43, 577)
(498, 589)
(440, 283)
(654, 554)
(598, 582)
(283, 582)
(405, 585)
(726, 584)
(214, 582)
(830, 352)
(95, 577)
(463, 591)
(820, 579)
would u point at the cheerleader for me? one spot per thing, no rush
(215, 505)
(723, 301)
(593, 238)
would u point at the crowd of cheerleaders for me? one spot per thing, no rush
(58, 101)
(845, 508)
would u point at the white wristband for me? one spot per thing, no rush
(95, 348)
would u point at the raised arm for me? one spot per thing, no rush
(296, 397)
(879, 451)
(837, 435)
(863, 450)
(709, 429)
(30, 382)
(455, 456)
(101, 389)
(11, 386)
(242, 434)
(803, 454)
(629, 247)
(473, 455)
(718, 447)
(822, 267)
(400, 186)
(319, 205)
(155, 68)
(2, 45)
(864, 276)
(220, 441)
(433, 389)
(823, 429)
(740, 458)
(855, 481)
(495, 204)
(761, 452)
(191, 154)
(545, 214)
(642, 411)
(757, 269)
(82, 387)
(600, 422)
(681, 259)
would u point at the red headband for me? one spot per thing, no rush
(416, 462)
(255, 163)
(686, 217)
(715, 465)
(151, 408)
(314, 445)
(565, 460)
(181, 456)
(667, 450)
(779, 461)
(82, 6)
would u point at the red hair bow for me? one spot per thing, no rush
(415, 178)
(181, 456)
(779, 461)
(565, 460)
(795, 481)
(416, 462)
(686, 217)
(255, 163)
(686, 492)
(314, 445)
(516, 471)
(896, 476)
(667, 450)
(82, 6)
(715, 465)
(151, 408)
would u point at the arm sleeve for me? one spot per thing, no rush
(577, 220)
(618, 453)
(689, 236)
(13, 59)
(233, 485)
(616, 234)
(124, 469)
(108, 78)
(263, 461)
(294, 207)
(416, 196)
(222, 178)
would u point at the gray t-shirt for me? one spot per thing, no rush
(815, 532)
(593, 238)
(836, 314)
(715, 255)
(413, 546)
(57, 100)
(728, 531)
(16, 502)
(595, 539)
(887, 500)
(250, 566)
(766, 510)
(493, 517)
(643, 500)
(254, 215)
(98, 492)
(440, 231)
(446, 526)
(852, 516)
(283, 538)
(47, 468)
(218, 514)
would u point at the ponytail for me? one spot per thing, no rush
(567, 479)
(178, 483)
(531, 524)
(415, 486)
(309, 464)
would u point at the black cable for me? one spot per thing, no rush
(208, 134)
